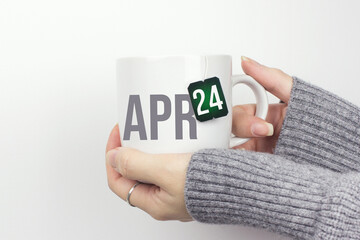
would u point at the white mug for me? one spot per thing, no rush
(155, 113)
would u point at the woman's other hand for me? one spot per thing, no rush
(263, 134)
(162, 195)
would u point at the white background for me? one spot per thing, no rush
(58, 96)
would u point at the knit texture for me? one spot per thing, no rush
(320, 128)
(313, 196)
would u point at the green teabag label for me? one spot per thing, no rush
(207, 99)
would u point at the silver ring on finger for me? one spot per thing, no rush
(130, 191)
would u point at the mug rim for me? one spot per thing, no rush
(159, 57)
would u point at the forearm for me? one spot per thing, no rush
(269, 191)
(320, 128)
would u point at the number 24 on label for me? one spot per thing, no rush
(207, 99)
(214, 94)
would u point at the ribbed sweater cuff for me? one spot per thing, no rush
(260, 190)
(320, 128)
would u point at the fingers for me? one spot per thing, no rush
(273, 80)
(165, 199)
(246, 125)
(144, 196)
(157, 169)
(141, 197)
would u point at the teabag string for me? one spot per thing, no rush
(206, 67)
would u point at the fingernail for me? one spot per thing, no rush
(262, 129)
(243, 58)
(246, 59)
(111, 156)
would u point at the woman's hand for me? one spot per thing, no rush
(163, 195)
(164, 174)
(245, 124)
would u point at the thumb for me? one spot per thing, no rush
(273, 80)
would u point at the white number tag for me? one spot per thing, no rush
(202, 98)
(215, 94)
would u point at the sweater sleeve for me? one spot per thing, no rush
(304, 201)
(320, 128)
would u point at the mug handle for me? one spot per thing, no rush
(261, 102)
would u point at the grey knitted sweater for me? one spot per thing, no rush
(308, 189)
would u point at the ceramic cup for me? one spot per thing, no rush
(174, 104)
